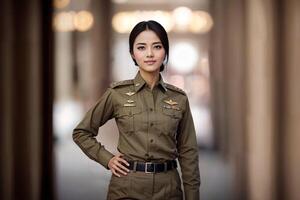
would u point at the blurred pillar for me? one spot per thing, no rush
(255, 73)
(228, 86)
(26, 97)
(64, 61)
(289, 85)
(261, 99)
(95, 77)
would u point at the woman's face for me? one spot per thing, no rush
(148, 51)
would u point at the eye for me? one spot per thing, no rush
(141, 48)
(157, 46)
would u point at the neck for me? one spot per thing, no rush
(150, 78)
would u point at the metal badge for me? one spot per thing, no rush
(130, 101)
(130, 93)
(171, 102)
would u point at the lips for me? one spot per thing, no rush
(149, 62)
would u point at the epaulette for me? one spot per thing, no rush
(174, 88)
(121, 83)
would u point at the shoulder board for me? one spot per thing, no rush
(121, 83)
(174, 88)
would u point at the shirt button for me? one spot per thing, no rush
(151, 109)
(147, 155)
(151, 140)
(151, 124)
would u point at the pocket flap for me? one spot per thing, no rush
(172, 112)
(128, 111)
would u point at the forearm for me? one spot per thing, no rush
(91, 147)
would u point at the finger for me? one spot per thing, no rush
(119, 162)
(115, 173)
(124, 161)
(119, 169)
(122, 167)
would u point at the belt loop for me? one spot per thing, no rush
(134, 166)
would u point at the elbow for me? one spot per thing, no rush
(76, 134)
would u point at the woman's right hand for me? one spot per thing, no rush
(116, 167)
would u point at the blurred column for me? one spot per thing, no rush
(289, 85)
(228, 86)
(26, 97)
(261, 99)
(96, 76)
(255, 71)
(64, 62)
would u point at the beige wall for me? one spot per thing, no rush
(25, 132)
(290, 98)
(255, 73)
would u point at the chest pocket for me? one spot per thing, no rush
(127, 118)
(171, 119)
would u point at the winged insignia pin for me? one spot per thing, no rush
(130, 93)
(171, 102)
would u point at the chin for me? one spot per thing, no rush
(150, 69)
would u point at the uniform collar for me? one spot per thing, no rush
(139, 82)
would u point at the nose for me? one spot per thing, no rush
(149, 52)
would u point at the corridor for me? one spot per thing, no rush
(237, 60)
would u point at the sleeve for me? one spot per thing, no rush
(85, 132)
(188, 155)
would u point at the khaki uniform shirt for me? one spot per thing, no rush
(154, 125)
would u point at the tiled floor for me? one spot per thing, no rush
(79, 178)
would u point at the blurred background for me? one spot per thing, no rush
(238, 61)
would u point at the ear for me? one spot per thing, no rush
(132, 55)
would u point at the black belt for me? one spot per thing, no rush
(151, 167)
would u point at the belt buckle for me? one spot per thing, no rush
(146, 168)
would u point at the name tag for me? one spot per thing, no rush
(171, 107)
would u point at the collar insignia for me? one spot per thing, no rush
(130, 93)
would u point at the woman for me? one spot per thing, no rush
(155, 127)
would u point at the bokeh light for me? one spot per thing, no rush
(183, 57)
(63, 21)
(58, 4)
(201, 22)
(182, 17)
(83, 20)
(123, 22)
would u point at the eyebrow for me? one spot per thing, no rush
(141, 43)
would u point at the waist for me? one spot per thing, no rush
(152, 167)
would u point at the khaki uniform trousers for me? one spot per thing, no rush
(146, 186)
